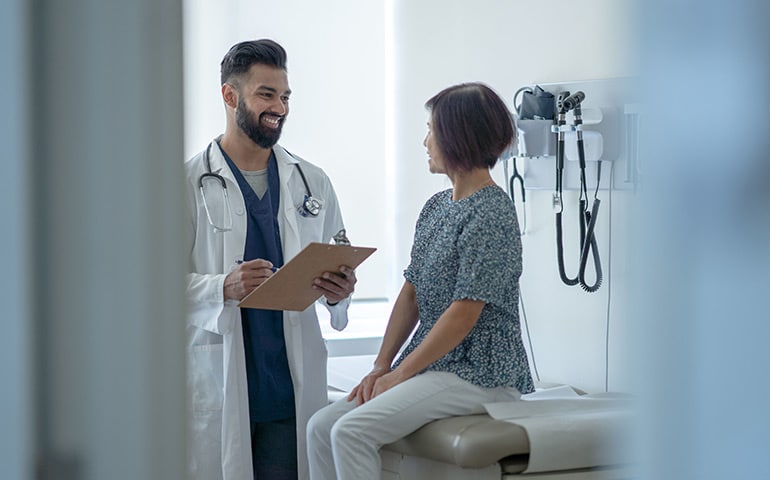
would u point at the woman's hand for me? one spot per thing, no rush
(386, 382)
(378, 381)
(363, 392)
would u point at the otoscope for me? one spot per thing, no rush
(587, 220)
(559, 128)
(561, 121)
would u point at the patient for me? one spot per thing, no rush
(461, 292)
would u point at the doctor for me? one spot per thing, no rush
(255, 376)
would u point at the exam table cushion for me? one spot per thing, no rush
(581, 428)
(471, 441)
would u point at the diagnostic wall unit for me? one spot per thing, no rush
(610, 115)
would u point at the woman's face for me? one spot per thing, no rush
(435, 157)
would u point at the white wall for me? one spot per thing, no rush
(508, 44)
(360, 74)
(337, 75)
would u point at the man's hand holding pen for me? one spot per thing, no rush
(246, 276)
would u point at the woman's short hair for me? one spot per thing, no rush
(471, 125)
(241, 56)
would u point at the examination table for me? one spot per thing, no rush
(476, 447)
(572, 438)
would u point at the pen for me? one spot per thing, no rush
(273, 268)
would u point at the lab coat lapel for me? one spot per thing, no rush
(233, 246)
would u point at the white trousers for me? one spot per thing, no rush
(344, 439)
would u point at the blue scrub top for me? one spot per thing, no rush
(271, 392)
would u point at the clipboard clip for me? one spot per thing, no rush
(341, 238)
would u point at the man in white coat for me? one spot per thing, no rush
(255, 376)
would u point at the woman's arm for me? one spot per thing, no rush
(451, 328)
(402, 321)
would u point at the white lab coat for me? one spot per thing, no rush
(220, 430)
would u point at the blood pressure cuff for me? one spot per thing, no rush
(536, 104)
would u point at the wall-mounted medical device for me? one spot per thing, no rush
(566, 133)
(609, 126)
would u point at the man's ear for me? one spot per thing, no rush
(230, 95)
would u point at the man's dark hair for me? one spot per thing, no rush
(471, 125)
(242, 56)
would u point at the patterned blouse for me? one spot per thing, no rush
(470, 249)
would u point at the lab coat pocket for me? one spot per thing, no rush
(311, 227)
(207, 377)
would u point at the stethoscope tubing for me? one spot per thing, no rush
(311, 206)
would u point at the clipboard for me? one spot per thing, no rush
(291, 287)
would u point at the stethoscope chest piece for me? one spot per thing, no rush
(311, 207)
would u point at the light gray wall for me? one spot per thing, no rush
(16, 254)
(93, 366)
(701, 324)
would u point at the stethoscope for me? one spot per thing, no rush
(310, 206)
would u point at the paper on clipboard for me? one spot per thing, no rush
(291, 287)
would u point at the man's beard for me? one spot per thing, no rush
(263, 136)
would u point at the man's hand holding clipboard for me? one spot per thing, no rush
(307, 276)
(336, 286)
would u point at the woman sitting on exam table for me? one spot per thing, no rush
(461, 292)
